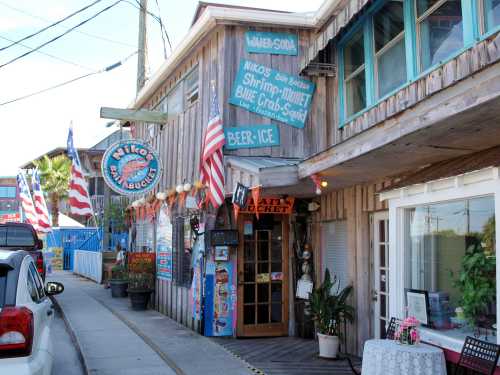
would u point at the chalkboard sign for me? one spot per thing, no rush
(224, 237)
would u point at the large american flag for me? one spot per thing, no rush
(212, 161)
(79, 199)
(41, 210)
(26, 201)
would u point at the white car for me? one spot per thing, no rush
(26, 315)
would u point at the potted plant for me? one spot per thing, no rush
(141, 284)
(328, 311)
(118, 281)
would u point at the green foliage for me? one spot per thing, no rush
(119, 272)
(55, 175)
(330, 310)
(476, 279)
(114, 213)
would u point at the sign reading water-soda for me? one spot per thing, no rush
(271, 43)
(252, 136)
(272, 93)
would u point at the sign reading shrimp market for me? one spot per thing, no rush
(131, 167)
(271, 93)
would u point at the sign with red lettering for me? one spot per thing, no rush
(283, 206)
(141, 262)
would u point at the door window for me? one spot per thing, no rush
(32, 289)
(37, 280)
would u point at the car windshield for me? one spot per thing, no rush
(3, 285)
(11, 236)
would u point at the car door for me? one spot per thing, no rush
(42, 313)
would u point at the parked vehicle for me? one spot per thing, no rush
(26, 315)
(21, 236)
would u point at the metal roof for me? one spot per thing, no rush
(257, 163)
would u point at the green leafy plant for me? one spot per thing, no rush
(119, 273)
(476, 279)
(330, 310)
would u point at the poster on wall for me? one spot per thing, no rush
(197, 282)
(271, 93)
(164, 245)
(271, 43)
(220, 297)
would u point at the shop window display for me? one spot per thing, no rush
(450, 253)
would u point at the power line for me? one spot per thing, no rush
(78, 31)
(104, 70)
(49, 55)
(51, 25)
(161, 31)
(61, 35)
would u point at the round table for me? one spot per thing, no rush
(387, 357)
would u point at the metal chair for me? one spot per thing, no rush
(478, 356)
(391, 328)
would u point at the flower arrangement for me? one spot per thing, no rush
(407, 332)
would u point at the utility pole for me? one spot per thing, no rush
(141, 46)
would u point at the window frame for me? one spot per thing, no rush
(483, 31)
(471, 35)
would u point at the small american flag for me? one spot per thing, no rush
(41, 210)
(212, 161)
(26, 201)
(79, 200)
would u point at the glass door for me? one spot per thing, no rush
(380, 292)
(263, 277)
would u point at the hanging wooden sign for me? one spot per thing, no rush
(252, 136)
(270, 206)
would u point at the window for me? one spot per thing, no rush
(491, 9)
(8, 191)
(450, 249)
(191, 86)
(38, 281)
(3, 285)
(439, 30)
(175, 103)
(354, 74)
(389, 43)
(32, 290)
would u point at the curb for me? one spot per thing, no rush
(72, 334)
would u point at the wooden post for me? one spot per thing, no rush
(141, 46)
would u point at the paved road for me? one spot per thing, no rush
(66, 360)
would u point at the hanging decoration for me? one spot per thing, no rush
(240, 198)
(256, 199)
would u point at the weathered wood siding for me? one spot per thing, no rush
(354, 204)
(323, 129)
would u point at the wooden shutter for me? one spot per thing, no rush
(335, 255)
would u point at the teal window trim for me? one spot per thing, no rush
(471, 34)
(470, 21)
(369, 60)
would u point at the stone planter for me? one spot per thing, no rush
(118, 288)
(139, 299)
(328, 346)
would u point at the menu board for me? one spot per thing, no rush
(271, 93)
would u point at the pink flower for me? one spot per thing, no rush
(413, 335)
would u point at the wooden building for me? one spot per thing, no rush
(399, 86)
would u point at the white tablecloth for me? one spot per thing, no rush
(386, 357)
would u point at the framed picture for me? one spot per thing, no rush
(222, 253)
(418, 305)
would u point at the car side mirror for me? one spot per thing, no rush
(39, 244)
(53, 287)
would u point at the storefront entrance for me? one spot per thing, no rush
(263, 276)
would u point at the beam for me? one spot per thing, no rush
(135, 115)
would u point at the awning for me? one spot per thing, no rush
(269, 172)
(342, 13)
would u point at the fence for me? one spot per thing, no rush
(88, 264)
(71, 239)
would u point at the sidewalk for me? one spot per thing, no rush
(116, 340)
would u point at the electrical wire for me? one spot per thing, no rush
(52, 56)
(104, 70)
(51, 25)
(161, 31)
(78, 31)
(61, 35)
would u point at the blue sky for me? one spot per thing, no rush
(36, 125)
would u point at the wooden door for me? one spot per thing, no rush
(380, 292)
(263, 276)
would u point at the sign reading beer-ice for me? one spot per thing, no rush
(271, 93)
(252, 136)
(131, 167)
(271, 43)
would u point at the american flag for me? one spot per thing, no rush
(79, 199)
(41, 210)
(26, 201)
(212, 161)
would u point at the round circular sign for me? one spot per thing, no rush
(131, 167)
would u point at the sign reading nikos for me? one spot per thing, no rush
(272, 93)
(131, 167)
